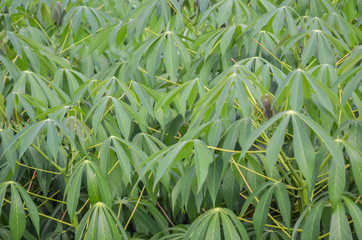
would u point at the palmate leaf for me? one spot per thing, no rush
(257, 132)
(97, 187)
(95, 18)
(279, 17)
(337, 174)
(206, 225)
(26, 137)
(43, 54)
(69, 80)
(242, 12)
(104, 224)
(147, 218)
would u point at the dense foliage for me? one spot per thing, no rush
(180, 119)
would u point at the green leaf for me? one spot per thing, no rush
(104, 232)
(276, 143)
(304, 151)
(356, 158)
(16, 44)
(261, 212)
(17, 215)
(32, 209)
(213, 229)
(180, 150)
(123, 159)
(53, 140)
(296, 95)
(282, 198)
(225, 11)
(144, 98)
(203, 158)
(312, 223)
(256, 133)
(339, 224)
(254, 194)
(356, 214)
(28, 136)
(74, 191)
(309, 48)
(2, 195)
(214, 179)
(98, 114)
(92, 232)
(171, 59)
(11, 67)
(228, 228)
(92, 186)
(123, 119)
(337, 174)
(336, 181)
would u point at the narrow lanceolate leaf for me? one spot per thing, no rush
(98, 114)
(213, 229)
(171, 59)
(224, 12)
(276, 143)
(203, 158)
(309, 49)
(356, 158)
(17, 220)
(214, 179)
(356, 213)
(123, 160)
(356, 163)
(336, 181)
(123, 119)
(303, 150)
(261, 212)
(53, 140)
(74, 192)
(144, 98)
(282, 197)
(2, 195)
(81, 227)
(93, 226)
(339, 224)
(312, 223)
(296, 95)
(104, 231)
(92, 186)
(32, 209)
(228, 227)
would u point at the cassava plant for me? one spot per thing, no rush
(180, 119)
